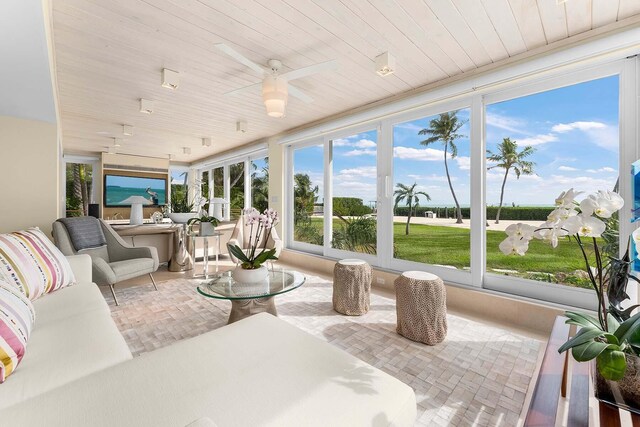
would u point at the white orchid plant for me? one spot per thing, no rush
(262, 223)
(615, 333)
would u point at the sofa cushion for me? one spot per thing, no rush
(130, 268)
(17, 316)
(63, 351)
(258, 371)
(68, 302)
(30, 261)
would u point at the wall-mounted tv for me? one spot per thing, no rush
(118, 188)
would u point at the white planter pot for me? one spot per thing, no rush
(250, 276)
(182, 218)
(207, 229)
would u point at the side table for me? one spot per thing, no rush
(205, 247)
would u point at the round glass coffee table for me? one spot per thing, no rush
(251, 298)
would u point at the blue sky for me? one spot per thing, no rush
(574, 131)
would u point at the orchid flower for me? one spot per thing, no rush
(602, 204)
(559, 215)
(550, 231)
(585, 226)
(566, 199)
(520, 231)
(513, 245)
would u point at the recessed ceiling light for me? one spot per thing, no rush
(206, 142)
(111, 150)
(241, 126)
(117, 142)
(186, 150)
(170, 79)
(170, 156)
(385, 64)
(146, 106)
(127, 130)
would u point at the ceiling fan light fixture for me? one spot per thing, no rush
(275, 94)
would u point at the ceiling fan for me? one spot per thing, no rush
(275, 86)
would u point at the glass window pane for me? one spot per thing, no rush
(79, 182)
(179, 186)
(538, 146)
(308, 195)
(260, 184)
(354, 192)
(236, 189)
(431, 178)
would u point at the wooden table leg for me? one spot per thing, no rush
(248, 307)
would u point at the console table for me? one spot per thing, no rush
(159, 236)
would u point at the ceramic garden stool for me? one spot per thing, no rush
(421, 307)
(351, 287)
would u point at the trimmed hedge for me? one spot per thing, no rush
(524, 213)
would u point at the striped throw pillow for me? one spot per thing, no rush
(31, 262)
(16, 320)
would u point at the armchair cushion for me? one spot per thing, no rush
(130, 268)
(32, 263)
(85, 232)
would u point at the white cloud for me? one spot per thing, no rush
(365, 143)
(567, 169)
(600, 134)
(409, 126)
(432, 178)
(464, 163)
(358, 152)
(537, 140)
(421, 154)
(583, 126)
(605, 169)
(506, 123)
(341, 142)
(354, 173)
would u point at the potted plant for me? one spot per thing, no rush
(251, 269)
(181, 209)
(612, 338)
(207, 224)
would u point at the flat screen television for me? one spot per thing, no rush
(118, 188)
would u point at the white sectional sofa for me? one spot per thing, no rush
(78, 371)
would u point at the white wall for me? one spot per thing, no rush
(29, 174)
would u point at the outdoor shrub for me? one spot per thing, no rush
(519, 213)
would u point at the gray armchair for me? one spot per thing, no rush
(241, 237)
(114, 262)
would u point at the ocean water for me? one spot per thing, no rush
(114, 195)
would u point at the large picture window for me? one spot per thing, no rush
(538, 146)
(431, 197)
(260, 183)
(236, 189)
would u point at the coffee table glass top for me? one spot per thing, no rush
(222, 286)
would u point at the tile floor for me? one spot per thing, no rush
(479, 376)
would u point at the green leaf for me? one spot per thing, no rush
(266, 255)
(590, 350)
(193, 221)
(583, 320)
(238, 253)
(626, 327)
(612, 364)
(584, 335)
(612, 323)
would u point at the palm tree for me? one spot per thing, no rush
(411, 197)
(304, 197)
(508, 157)
(444, 129)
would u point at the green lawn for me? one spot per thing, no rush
(450, 246)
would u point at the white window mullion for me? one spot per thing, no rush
(227, 193)
(247, 184)
(328, 194)
(478, 203)
(384, 212)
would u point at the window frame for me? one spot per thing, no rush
(476, 101)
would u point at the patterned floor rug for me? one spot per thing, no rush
(478, 376)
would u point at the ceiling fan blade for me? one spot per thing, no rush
(312, 69)
(294, 91)
(241, 58)
(243, 89)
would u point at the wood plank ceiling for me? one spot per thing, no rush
(109, 54)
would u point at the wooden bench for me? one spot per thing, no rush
(552, 384)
